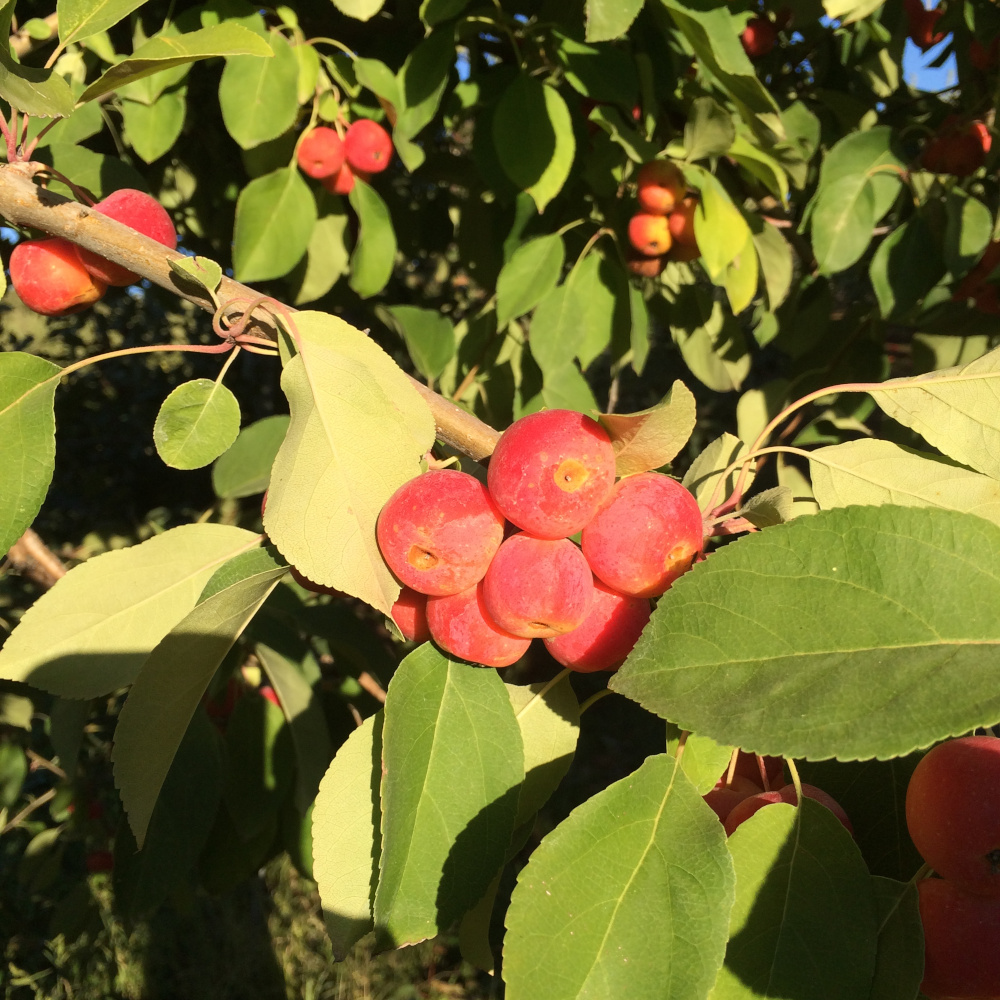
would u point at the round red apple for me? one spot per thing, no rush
(367, 146)
(49, 277)
(759, 37)
(649, 234)
(410, 615)
(461, 625)
(659, 187)
(321, 152)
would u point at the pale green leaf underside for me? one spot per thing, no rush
(880, 472)
(79, 19)
(957, 410)
(346, 836)
(245, 468)
(93, 630)
(197, 422)
(170, 685)
(628, 897)
(452, 765)
(358, 432)
(651, 438)
(27, 440)
(610, 19)
(41, 93)
(859, 632)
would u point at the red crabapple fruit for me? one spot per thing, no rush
(461, 625)
(606, 635)
(550, 472)
(649, 234)
(145, 215)
(724, 798)
(680, 222)
(367, 146)
(758, 37)
(953, 812)
(410, 615)
(49, 277)
(342, 182)
(439, 531)
(321, 152)
(961, 941)
(659, 187)
(645, 535)
(745, 809)
(538, 587)
(748, 765)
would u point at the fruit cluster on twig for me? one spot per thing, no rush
(493, 567)
(336, 158)
(663, 228)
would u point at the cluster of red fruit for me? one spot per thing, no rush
(923, 24)
(953, 815)
(976, 285)
(663, 228)
(483, 589)
(335, 162)
(752, 782)
(55, 277)
(957, 148)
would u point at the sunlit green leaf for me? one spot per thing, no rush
(196, 423)
(245, 468)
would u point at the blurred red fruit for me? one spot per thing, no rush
(759, 37)
(321, 152)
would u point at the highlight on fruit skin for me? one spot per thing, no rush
(320, 152)
(367, 146)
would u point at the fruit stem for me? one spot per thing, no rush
(731, 771)
(333, 41)
(796, 780)
(558, 679)
(594, 698)
(189, 348)
(924, 871)
(225, 367)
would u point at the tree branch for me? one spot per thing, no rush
(23, 203)
(35, 560)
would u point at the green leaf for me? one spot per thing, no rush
(196, 423)
(79, 19)
(548, 715)
(531, 273)
(968, 230)
(422, 81)
(27, 440)
(452, 769)
(101, 174)
(804, 902)
(610, 19)
(741, 277)
(873, 794)
(714, 34)
(429, 336)
(345, 393)
(842, 222)
(179, 828)
(759, 164)
(152, 129)
(955, 410)
(92, 631)
(327, 259)
(361, 10)
(770, 507)
(201, 272)
(880, 472)
(163, 52)
(703, 761)
(347, 836)
(378, 78)
(710, 340)
(435, 11)
(628, 897)
(899, 963)
(600, 72)
(41, 93)
(849, 11)
(905, 267)
(259, 97)
(375, 253)
(245, 469)
(623, 133)
(638, 329)
(275, 215)
(776, 262)
(702, 476)
(651, 438)
(566, 389)
(709, 131)
(302, 708)
(533, 137)
(740, 621)
(719, 225)
(171, 683)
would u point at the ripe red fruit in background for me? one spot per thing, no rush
(317, 588)
(748, 765)
(758, 37)
(538, 587)
(410, 615)
(958, 148)
(981, 57)
(649, 234)
(659, 187)
(461, 625)
(645, 535)
(367, 146)
(269, 694)
(645, 267)
(550, 471)
(145, 215)
(974, 284)
(923, 25)
(724, 798)
(953, 812)
(681, 225)
(99, 861)
(439, 531)
(606, 636)
(745, 809)
(961, 941)
(342, 182)
(49, 277)
(321, 152)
